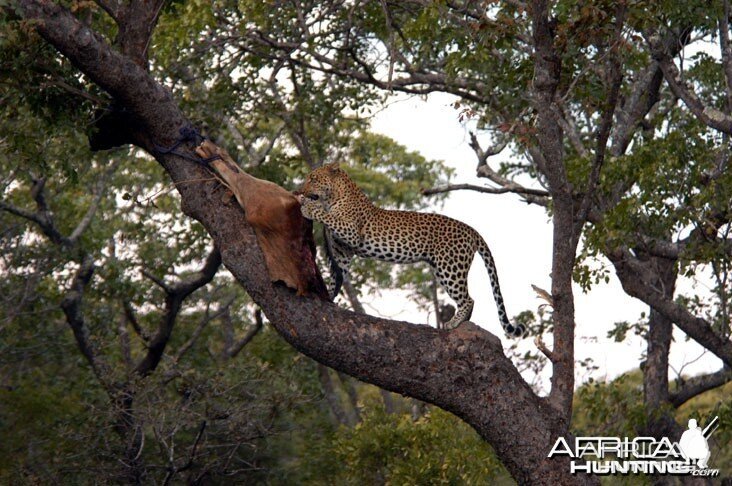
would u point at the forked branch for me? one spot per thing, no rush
(175, 294)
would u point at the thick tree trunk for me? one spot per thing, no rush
(655, 368)
(550, 161)
(661, 422)
(463, 371)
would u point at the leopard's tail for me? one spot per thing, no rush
(485, 253)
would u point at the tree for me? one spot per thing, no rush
(578, 91)
(157, 334)
(567, 86)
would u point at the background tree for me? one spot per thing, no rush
(575, 90)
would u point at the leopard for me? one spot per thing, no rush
(358, 227)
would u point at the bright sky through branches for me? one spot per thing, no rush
(520, 238)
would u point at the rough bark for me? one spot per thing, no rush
(462, 371)
(636, 277)
(357, 306)
(136, 21)
(655, 369)
(550, 161)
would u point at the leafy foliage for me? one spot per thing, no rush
(392, 448)
(242, 71)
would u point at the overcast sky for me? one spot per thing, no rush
(519, 236)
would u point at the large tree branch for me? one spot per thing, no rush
(708, 115)
(357, 306)
(463, 371)
(148, 102)
(636, 279)
(696, 385)
(136, 20)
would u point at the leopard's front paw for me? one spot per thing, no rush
(453, 323)
(305, 209)
(305, 204)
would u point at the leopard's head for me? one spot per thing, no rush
(320, 189)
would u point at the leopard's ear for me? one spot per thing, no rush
(333, 167)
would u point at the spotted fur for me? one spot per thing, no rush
(358, 227)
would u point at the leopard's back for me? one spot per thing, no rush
(409, 236)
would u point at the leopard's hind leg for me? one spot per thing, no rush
(452, 273)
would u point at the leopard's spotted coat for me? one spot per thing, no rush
(358, 227)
